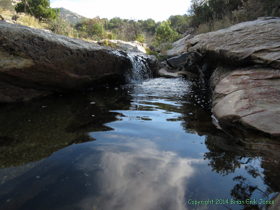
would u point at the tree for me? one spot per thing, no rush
(38, 8)
(233, 5)
(207, 11)
(115, 23)
(133, 30)
(179, 23)
(200, 12)
(218, 8)
(164, 33)
(271, 7)
(149, 25)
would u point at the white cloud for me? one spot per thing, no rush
(125, 9)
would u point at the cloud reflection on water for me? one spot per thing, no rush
(137, 174)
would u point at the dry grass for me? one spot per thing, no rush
(214, 25)
(31, 22)
(221, 24)
(7, 14)
(203, 28)
(23, 19)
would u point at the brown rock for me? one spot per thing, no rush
(179, 45)
(168, 74)
(252, 42)
(251, 97)
(244, 64)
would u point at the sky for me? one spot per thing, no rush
(158, 10)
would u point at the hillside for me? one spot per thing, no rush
(69, 16)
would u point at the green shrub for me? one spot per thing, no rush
(140, 38)
(158, 56)
(111, 36)
(164, 33)
(38, 8)
(98, 31)
(163, 47)
(60, 26)
(250, 10)
(83, 35)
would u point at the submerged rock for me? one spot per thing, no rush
(35, 63)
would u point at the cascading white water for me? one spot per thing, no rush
(140, 69)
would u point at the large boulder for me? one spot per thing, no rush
(248, 43)
(176, 61)
(179, 46)
(36, 63)
(244, 61)
(249, 96)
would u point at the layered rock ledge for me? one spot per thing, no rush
(243, 64)
(35, 63)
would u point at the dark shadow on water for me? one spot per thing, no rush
(45, 185)
(32, 131)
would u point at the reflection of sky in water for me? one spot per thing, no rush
(146, 162)
(137, 174)
(142, 168)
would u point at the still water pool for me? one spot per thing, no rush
(137, 147)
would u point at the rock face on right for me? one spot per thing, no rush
(245, 77)
(251, 97)
(247, 43)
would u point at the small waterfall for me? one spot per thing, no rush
(140, 70)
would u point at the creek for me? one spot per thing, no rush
(147, 145)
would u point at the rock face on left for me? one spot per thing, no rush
(35, 63)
